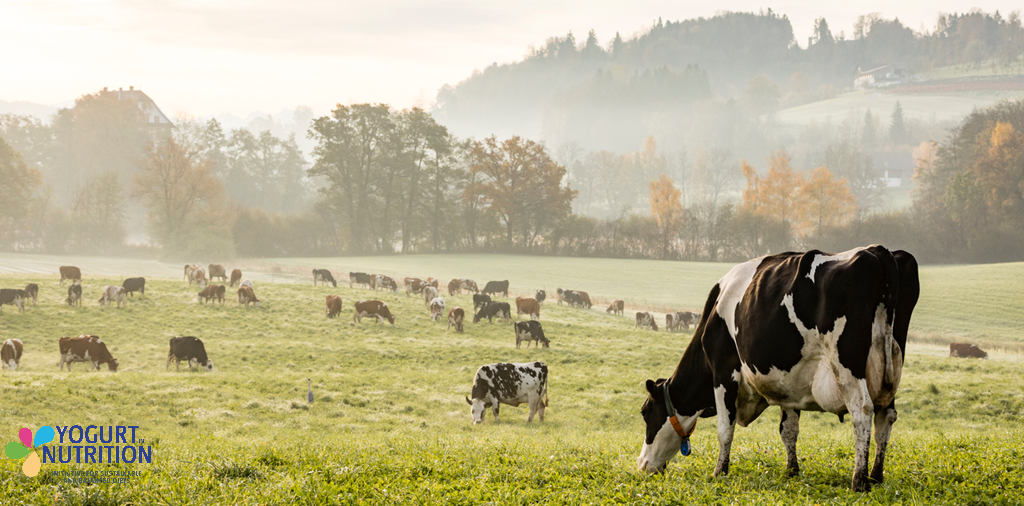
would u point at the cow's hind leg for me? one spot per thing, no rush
(884, 418)
(859, 404)
(789, 429)
(534, 402)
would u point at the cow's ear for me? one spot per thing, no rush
(469, 401)
(652, 387)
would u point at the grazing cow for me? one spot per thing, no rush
(541, 295)
(584, 299)
(572, 298)
(966, 350)
(217, 271)
(191, 350)
(14, 297)
(687, 318)
(436, 308)
(113, 294)
(803, 331)
(333, 304)
(528, 306)
(432, 282)
(496, 287)
(387, 283)
(492, 309)
(197, 276)
(617, 307)
(70, 272)
(454, 287)
(531, 330)
(429, 294)
(324, 276)
(469, 284)
(561, 296)
(74, 294)
(247, 296)
(671, 321)
(374, 308)
(645, 320)
(511, 384)
(479, 300)
(212, 292)
(32, 292)
(10, 354)
(413, 285)
(236, 276)
(188, 271)
(85, 348)
(132, 285)
(362, 278)
(455, 318)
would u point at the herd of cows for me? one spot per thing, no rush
(803, 331)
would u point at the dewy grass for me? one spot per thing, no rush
(390, 425)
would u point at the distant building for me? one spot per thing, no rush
(881, 77)
(897, 168)
(151, 113)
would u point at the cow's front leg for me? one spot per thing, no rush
(789, 429)
(884, 418)
(725, 402)
(494, 409)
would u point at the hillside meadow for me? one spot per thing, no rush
(390, 425)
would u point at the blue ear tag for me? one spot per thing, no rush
(684, 448)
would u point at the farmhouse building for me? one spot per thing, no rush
(151, 113)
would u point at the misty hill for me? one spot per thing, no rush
(678, 80)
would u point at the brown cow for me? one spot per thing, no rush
(70, 272)
(217, 271)
(10, 354)
(413, 285)
(645, 319)
(188, 270)
(114, 294)
(455, 318)
(236, 277)
(197, 276)
(616, 307)
(246, 295)
(436, 308)
(212, 292)
(432, 282)
(374, 308)
(333, 303)
(529, 306)
(32, 290)
(85, 348)
(454, 286)
(585, 299)
(966, 350)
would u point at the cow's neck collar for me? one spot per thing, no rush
(673, 418)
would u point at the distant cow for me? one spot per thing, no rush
(217, 271)
(14, 297)
(132, 285)
(511, 384)
(469, 284)
(113, 294)
(191, 350)
(70, 272)
(10, 354)
(375, 309)
(188, 271)
(479, 300)
(616, 307)
(74, 294)
(671, 322)
(432, 282)
(646, 320)
(362, 278)
(531, 331)
(528, 306)
(429, 294)
(413, 285)
(966, 350)
(496, 287)
(455, 318)
(436, 308)
(32, 292)
(454, 286)
(541, 296)
(687, 318)
(197, 276)
(212, 292)
(386, 283)
(492, 309)
(236, 276)
(333, 306)
(85, 348)
(324, 276)
(247, 296)
(583, 299)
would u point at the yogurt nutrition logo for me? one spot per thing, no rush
(18, 450)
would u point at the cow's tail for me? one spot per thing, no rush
(892, 279)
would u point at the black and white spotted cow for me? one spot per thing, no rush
(511, 384)
(802, 331)
(531, 332)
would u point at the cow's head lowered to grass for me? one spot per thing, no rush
(663, 438)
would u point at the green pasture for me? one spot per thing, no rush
(390, 426)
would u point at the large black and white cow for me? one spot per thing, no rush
(511, 384)
(803, 331)
(189, 349)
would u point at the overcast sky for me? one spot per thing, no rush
(222, 56)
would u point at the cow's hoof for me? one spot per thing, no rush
(877, 478)
(862, 485)
(793, 472)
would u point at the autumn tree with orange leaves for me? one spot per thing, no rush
(667, 210)
(827, 201)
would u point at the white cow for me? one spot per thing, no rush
(511, 384)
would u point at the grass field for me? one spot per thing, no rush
(390, 425)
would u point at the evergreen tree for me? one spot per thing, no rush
(869, 134)
(898, 128)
